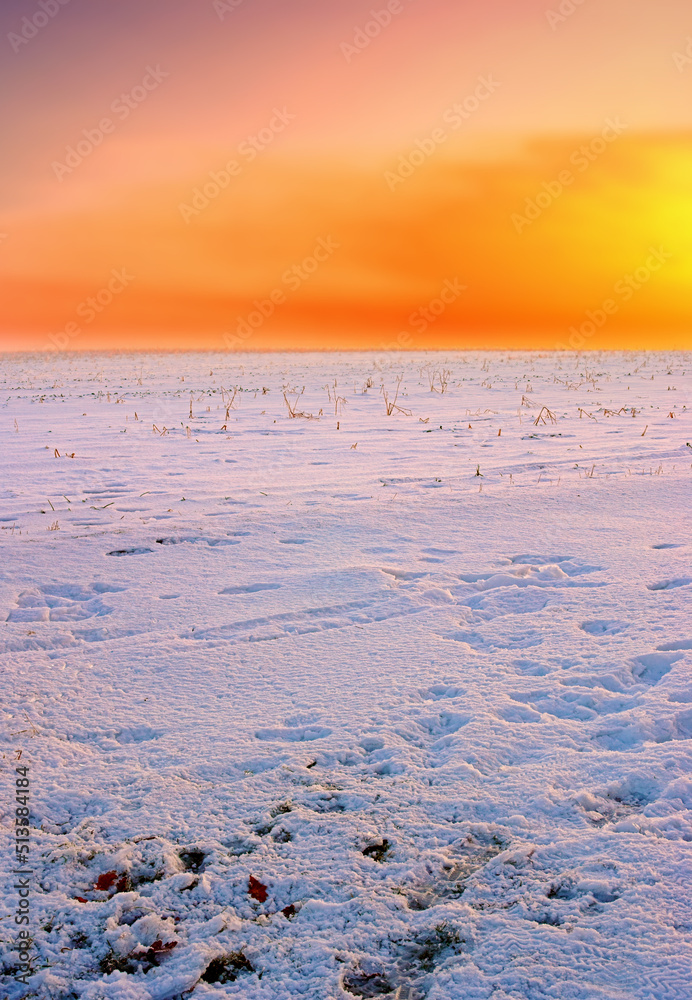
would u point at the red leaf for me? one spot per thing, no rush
(81, 899)
(124, 884)
(289, 910)
(105, 881)
(257, 890)
(159, 946)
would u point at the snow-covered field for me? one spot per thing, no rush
(399, 708)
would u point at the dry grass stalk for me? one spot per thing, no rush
(391, 405)
(230, 403)
(293, 413)
(544, 416)
(438, 376)
(339, 401)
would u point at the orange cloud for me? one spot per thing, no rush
(538, 233)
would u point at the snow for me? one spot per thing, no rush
(443, 719)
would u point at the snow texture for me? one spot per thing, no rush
(349, 704)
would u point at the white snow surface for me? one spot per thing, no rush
(445, 718)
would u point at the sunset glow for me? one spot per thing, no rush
(206, 153)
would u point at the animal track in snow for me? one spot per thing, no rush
(443, 723)
(578, 705)
(681, 697)
(681, 581)
(30, 643)
(105, 634)
(466, 860)
(129, 552)
(250, 588)
(567, 564)
(534, 560)
(651, 668)
(402, 574)
(509, 601)
(313, 620)
(295, 734)
(532, 575)
(439, 691)
(532, 668)
(602, 627)
(371, 743)
(647, 729)
(618, 800)
(62, 603)
(182, 539)
(125, 736)
(520, 640)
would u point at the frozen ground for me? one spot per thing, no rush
(322, 713)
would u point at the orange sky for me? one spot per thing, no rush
(267, 180)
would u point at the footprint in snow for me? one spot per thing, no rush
(602, 627)
(298, 734)
(62, 602)
(437, 691)
(681, 581)
(651, 668)
(680, 644)
(196, 538)
(129, 552)
(250, 588)
(443, 723)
